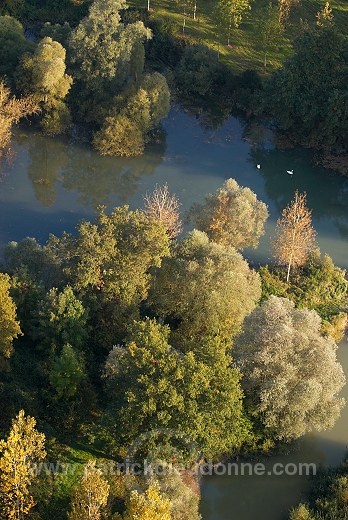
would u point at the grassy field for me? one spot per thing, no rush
(245, 52)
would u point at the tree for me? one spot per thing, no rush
(9, 326)
(196, 393)
(285, 7)
(101, 46)
(184, 7)
(61, 319)
(108, 266)
(325, 17)
(232, 216)
(90, 495)
(197, 70)
(181, 493)
(43, 74)
(301, 513)
(271, 30)
(163, 206)
(295, 236)
(12, 110)
(205, 288)
(308, 95)
(150, 505)
(23, 449)
(230, 14)
(290, 371)
(150, 104)
(119, 136)
(13, 45)
(67, 372)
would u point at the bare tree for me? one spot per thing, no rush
(161, 205)
(295, 235)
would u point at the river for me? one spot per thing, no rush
(51, 184)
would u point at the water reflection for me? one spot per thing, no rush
(96, 178)
(48, 157)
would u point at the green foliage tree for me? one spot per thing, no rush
(24, 447)
(13, 45)
(290, 371)
(308, 95)
(44, 75)
(271, 30)
(107, 265)
(150, 104)
(197, 70)
(230, 14)
(119, 136)
(67, 372)
(125, 134)
(102, 47)
(232, 216)
(205, 287)
(197, 393)
(61, 319)
(9, 326)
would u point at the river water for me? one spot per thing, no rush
(53, 183)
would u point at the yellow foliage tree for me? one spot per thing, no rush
(325, 17)
(150, 505)
(23, 449)
(9, 326)
(91, 495)
(295, 236)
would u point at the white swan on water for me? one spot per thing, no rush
(258, 166)
(290, 172)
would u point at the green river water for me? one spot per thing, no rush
(52, 184)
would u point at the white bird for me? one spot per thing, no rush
(258, 166)
(290, 172)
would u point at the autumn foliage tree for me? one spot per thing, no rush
(9, 326)
(12, 110)
(23, 449)
(150, 505)
(163, 206)
(295, 235)
(232, 216)
(90, 495)
(325, 17)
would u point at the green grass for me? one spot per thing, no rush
(246, 52)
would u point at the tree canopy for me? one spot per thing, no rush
(290, 370)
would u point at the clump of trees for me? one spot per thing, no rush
(105, 81)
(131, 332)
(307, 97)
